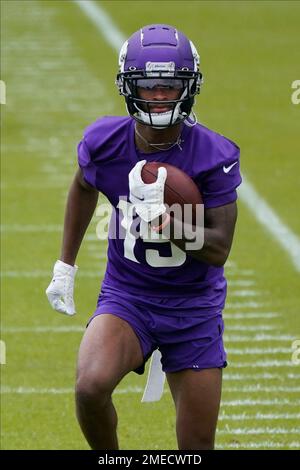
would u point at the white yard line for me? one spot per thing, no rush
(233, 377)
(249, 315)
(22, 228)
(241, 305)
(255, 402)
(263, 213)
(245, 293)
(30, 228)
(259, 416)
(41, 274)
(258, 337)
(242, 283)
(266, 430)
(259, 445)
(260, 327)
(5, 390)
(43, 329)
(264, 364)
(75, 328)
(259, 388)
(258, 351)
(235, 272)
(34, 391)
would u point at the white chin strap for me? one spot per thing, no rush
(159, 119)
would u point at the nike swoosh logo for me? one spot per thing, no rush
(227, 169)
(139, 198)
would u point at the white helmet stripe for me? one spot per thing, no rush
(196, 57)
(122, 56)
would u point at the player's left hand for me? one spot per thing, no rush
(148, 199)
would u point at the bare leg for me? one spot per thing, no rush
(108, 351)
(197, 396)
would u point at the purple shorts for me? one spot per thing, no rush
(188, 336)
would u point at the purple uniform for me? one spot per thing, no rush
(146, 280)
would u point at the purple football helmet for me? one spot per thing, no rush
(159, 55)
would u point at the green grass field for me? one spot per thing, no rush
(59, 73)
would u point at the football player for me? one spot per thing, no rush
(155, 294)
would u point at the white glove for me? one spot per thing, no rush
(60, 289)
(148, 199)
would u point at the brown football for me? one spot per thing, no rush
(179, 187)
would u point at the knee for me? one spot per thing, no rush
(92, 388)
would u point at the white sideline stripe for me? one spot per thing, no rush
(255, 203)
(266, 430)
(103, 22)
(271, 221)
(259, 445)
(250, 315)
(259, 416)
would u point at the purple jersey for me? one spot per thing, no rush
(106, 155)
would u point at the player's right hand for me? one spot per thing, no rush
(60, 289)
(148, 199)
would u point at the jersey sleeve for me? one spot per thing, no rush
(218, 186)
(86, 163)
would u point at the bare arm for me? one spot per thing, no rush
(81, 204)
(219, 225)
